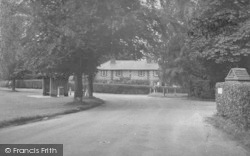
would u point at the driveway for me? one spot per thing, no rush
(128, 125)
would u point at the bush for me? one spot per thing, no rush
(121, 89)
(234, 102)
(202, 89)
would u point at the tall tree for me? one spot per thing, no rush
(219, 36)
(12, 30)
(164, 35)
(71, 36)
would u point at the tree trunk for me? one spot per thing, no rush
(44, 87)
(66, 87)
(90, 85)
(78, 87)
(13, 84)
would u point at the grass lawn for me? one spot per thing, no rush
(27, 105)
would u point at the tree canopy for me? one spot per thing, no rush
(219, 36)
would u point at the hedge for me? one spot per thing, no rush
(35, 83)
(169, 89)
(234, 102)
(121, 89)
(124, 81)
(3, 83)
(98, 87)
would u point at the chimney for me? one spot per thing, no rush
(112, 61)
(149, 60)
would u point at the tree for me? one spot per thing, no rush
(71, 37)
(12, 29)
(219, 36)
(164, 35)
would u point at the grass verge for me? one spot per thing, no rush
(240, 135)
(87, 103)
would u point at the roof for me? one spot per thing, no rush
(238, 74)
(129, 65)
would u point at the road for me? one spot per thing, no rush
(129, 125)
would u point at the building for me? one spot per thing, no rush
(113, 70)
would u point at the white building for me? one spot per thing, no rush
(144, 70)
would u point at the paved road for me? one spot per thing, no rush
(132, 126)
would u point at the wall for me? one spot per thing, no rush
(100, 77)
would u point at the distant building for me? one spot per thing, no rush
(145, 70)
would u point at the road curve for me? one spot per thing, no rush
(129, 125)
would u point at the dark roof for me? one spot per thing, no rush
(129, 65)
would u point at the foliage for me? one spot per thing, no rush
(201, 89)
(163, 35)
(72, 36)
(219, 36)
(233, 103)
(12, 29)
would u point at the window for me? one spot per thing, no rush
(104, 73)
(118, 73)
(155, 73)
(141, 73)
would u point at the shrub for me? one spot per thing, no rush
(121, 89)
(202, 89)
(234, 102)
